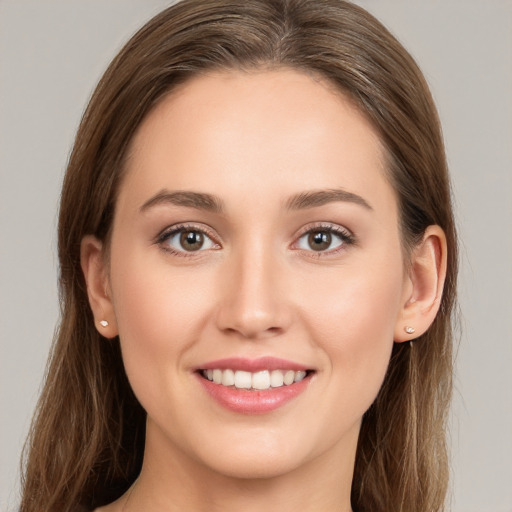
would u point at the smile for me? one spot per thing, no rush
(254, 386)
(257, 381)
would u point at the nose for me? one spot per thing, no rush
(253, 302)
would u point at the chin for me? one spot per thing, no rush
(256, 467)
(263, 455)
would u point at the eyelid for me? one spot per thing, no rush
(169, 231)
(327, 226)
(345, 234)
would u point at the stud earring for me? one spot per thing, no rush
(103, 323)
(409, 330)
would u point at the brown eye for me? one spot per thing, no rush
(326, 239)
(319, 240)
(191, 240)
(186, 240)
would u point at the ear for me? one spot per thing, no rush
(423, 287)
(98, 287)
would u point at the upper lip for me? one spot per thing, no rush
(253, 365)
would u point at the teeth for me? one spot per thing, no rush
(228, 377)
(260, 381)
(289, 377)
(299, 376)
(217, 376)
(242, 380)
(276, 379)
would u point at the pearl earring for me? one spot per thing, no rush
(103, 323)
(409, 330)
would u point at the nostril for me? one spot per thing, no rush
(253, 331)
(251, 306)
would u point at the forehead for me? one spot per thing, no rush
(249, 134)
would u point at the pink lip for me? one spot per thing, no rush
(253, 365)
(244, 401)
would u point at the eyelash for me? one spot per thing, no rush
(345, 236)
(168, 233)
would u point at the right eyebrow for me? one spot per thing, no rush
(197, 200)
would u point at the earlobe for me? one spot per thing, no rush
(424, 287)
(96, 278)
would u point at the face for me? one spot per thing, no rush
(255, 245)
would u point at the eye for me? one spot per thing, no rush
(324, 239)
(186, 240)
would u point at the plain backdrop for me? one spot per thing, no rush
(52, 52)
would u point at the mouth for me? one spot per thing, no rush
(254, 381)
(254, 386)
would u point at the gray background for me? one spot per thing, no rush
(51, 55)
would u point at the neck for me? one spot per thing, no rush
(172, 481)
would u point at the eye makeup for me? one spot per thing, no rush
(187, 240)
(191, 239)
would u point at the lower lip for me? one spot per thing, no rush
(244, 401)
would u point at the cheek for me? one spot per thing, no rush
(355, 302)
(352, 319)
(158, 316)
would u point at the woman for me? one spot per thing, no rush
(258, 266)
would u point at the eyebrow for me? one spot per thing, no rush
(315, 198)
(198, 200)
(209, 202)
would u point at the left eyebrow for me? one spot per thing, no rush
(313, 198)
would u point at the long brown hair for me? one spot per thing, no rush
(87, 439)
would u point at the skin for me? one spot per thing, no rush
(255, 140)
